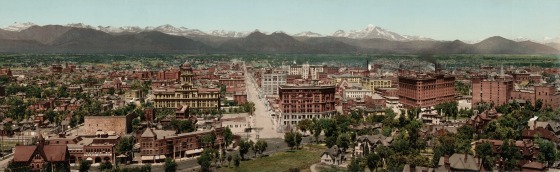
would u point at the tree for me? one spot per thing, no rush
(289, 138)
(84, 166)
(254, 147)
(372, 161)
(105, 166)
(343, 141)
(484, 151)
(244, 147)
(125, 144)
(204, 161)
(229, 158)
(170, 165)
(236, 161)
(228, 136)
(548, 154)
(305, 125)
(298, 138)
(510, 156)
(261, 146)
(355, 166)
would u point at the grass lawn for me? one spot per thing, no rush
(281, 161)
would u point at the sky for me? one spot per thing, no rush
(437, 19)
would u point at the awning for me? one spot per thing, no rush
(89, 159)
(194, 151)
(162, 157)
(147, 158)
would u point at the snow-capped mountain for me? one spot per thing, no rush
(232, 34)
(521, 38)
(308, 34)
(123, 29)
(80, 25)
(16, 27)
(371, 31)
(551, 39)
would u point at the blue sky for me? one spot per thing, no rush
(438, 19)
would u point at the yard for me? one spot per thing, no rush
(282, 161)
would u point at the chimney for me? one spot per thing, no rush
(466, 157)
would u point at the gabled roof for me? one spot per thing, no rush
(55, 153)
(24, 153)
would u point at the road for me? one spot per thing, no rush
(261, 117)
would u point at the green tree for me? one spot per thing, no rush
(355, 166)
(204, 161)
(170, 165)
(84, 166)
(305, 125)
(229, 158)
(105, 166)
(372, 161)
(343, 141)
(228, 136)
(261, 146)
(244, 147)
(510, 156)
(289, 138)
(298, 139)
(484, 151)
(236, 161)
(548, 154)
(125, 144)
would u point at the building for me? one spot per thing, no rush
(271, 80)
(168, 75)
(356, 93)
(374, 83)
(547, 94)
(35, 156)
(306, 71)
(232, 82)
(113, 125)
(333, 156)
(97, 148)
(298, 102)
(496, 90)
(426, 90)
(460, 162)
(157, 145)
(196, 97)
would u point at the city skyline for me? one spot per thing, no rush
(440, 20)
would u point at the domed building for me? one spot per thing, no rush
(188, 93)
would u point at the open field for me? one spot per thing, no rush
(282, 161)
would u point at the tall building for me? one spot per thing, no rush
(306, 71)
(548, 95)
(298, 102)
(495, 90)
(271, 80)
(187, 93)
(375, 83)
(426, 90)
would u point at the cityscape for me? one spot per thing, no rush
(134, 89)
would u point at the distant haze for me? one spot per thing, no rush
(437, 19)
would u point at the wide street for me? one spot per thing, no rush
(261, 119)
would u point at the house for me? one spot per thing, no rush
(460, 162)
(372, 141)
(35, 156)
(533, 167)
(333, 156)
(414, 168)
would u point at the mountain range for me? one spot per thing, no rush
(81, 38)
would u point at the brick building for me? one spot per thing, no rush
(156, 145)
(168, 75)
(426, 90)
(114, 125)
(35, 156)
(298, 102)
(187, 93)
(495, 90)
(546, 93)
(232, 82)
(98, 148)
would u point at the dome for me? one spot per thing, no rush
(186, 65)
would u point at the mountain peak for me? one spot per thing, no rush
(16, 27)
(373, 31)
